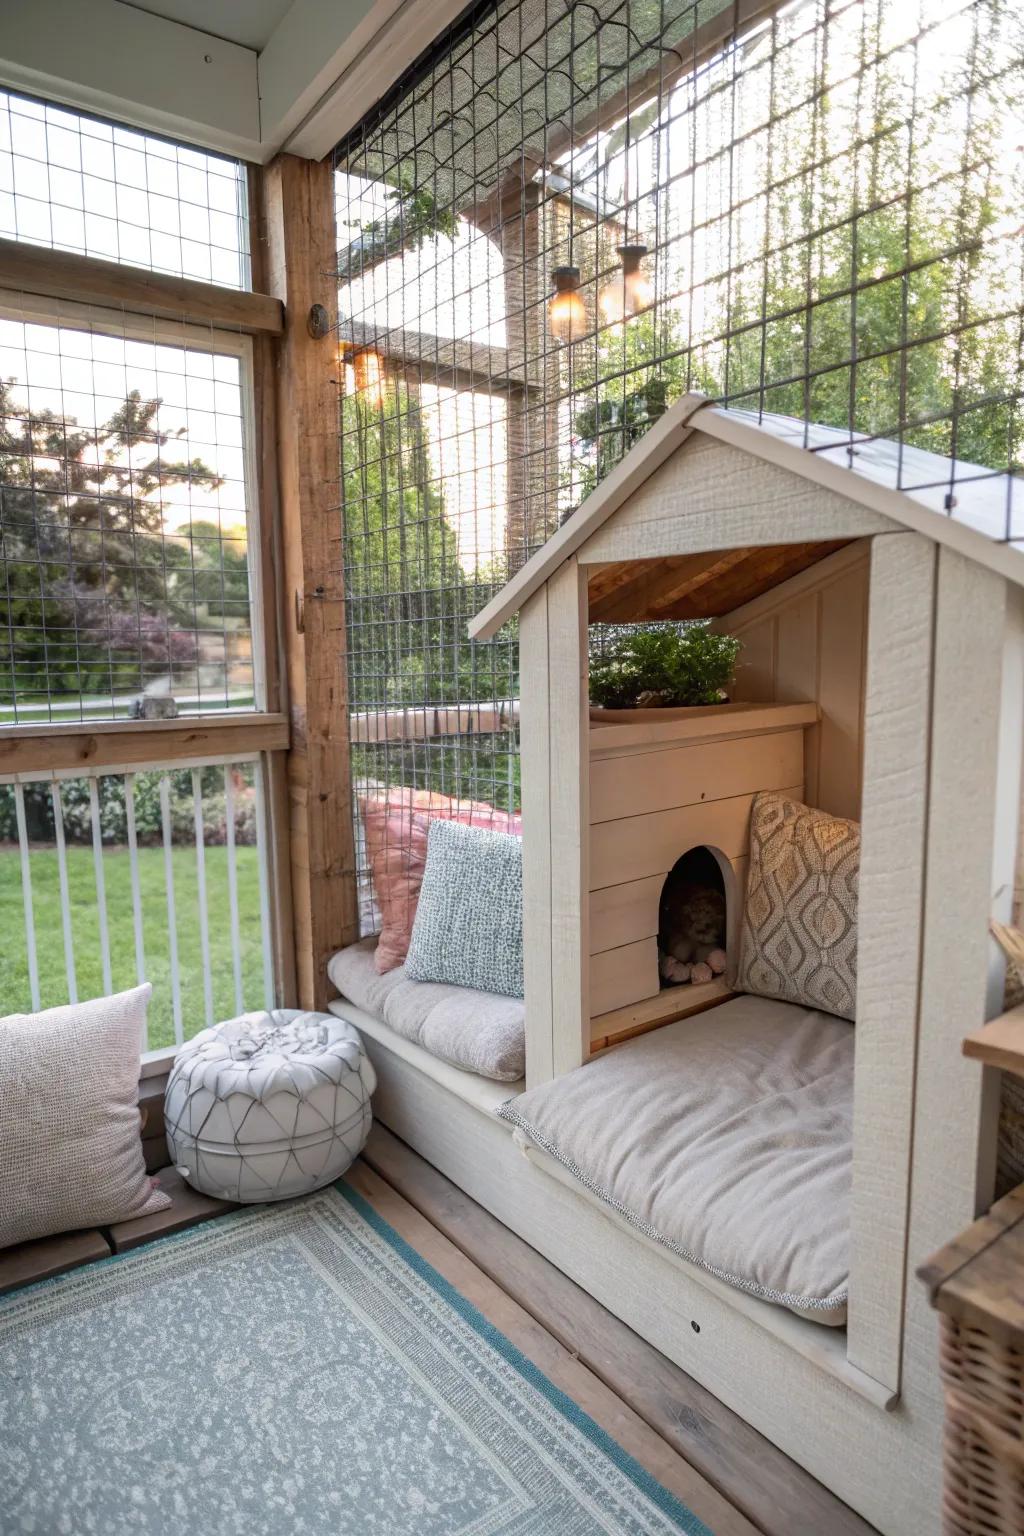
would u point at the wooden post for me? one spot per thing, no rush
(298, 198)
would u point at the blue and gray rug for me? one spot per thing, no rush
(293, 1370)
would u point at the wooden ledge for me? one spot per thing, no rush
(999, 1043)
(35, 749)
(84, 280)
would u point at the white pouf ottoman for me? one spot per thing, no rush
(269, 1105)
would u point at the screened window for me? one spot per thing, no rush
(125, 581)
(78, 183)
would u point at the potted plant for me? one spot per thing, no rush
(659, 668)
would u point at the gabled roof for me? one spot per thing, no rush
(974, 510)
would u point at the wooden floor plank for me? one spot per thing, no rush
(558, 1363)
(25, 1263)
(776, 1495)
(188, 1207)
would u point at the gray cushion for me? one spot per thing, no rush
(476, 1031)
(727, 1137)
(469, 922)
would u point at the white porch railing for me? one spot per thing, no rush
(153, 873)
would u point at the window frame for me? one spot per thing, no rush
(33, 309)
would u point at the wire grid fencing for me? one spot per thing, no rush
(78, 183)
(826, 197)
(125, 586)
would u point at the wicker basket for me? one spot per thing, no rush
(984, 1436)
(1010, 1152)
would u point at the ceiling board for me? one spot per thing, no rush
(703, 586)
(250, 24)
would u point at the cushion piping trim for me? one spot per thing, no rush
(508, 1112)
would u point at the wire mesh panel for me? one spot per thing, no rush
(570, 214)
(124, 563)
(78, 183)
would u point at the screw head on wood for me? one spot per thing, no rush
(318, 322)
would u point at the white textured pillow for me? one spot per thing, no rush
(70, 1150)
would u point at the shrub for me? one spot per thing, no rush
(76, 806)
(666, 665)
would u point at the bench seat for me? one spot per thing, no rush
(476, 1031)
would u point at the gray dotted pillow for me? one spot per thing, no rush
(469, 922)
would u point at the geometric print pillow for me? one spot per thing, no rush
(799, 941)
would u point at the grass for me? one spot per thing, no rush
(14, 981)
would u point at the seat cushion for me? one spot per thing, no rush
(477, 1031)
(727, 1137)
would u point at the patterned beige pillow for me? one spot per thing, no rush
(70, 1151)
(799, 939)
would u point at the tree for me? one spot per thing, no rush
(409, 598)
(95, 595)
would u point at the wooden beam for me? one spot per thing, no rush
(271, 629)
(108, 284)
(299, 205)
(465, 364)
(30, 749)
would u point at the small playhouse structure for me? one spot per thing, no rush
(882, 680)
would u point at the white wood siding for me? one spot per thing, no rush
(712, 496)
(807, 640)
(896, 747)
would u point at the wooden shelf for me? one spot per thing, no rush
(614, 732)
(671, 1003)
(999, 1043)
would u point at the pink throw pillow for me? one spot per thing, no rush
(396, 841)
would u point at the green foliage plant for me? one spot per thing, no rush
(664, 666)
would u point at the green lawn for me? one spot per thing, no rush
(14, 985)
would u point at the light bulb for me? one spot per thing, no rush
(567, 314)
(369, 376)
(630, 291)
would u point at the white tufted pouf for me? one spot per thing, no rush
(269, 1105)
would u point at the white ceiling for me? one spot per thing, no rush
(248, 22)
(246, 77)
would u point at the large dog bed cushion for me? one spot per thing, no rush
(726, 1137)
(477, 1031)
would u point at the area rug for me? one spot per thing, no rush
(293, 1370)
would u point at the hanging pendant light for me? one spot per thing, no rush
(368, 371)
(567, 315)
(630, 291)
